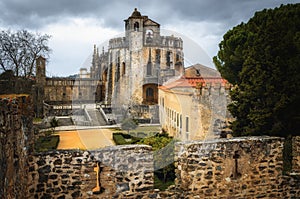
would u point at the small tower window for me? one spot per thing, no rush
(136, 26)
(123, 69)
(149, 69)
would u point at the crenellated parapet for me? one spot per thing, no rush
(119, 42)
(213, 86)
(171, 42)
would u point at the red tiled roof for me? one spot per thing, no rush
(193, 82)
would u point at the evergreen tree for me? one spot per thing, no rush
(261, 59)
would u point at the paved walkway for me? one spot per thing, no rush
(89, 139)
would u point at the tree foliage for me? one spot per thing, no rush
(128, 124)
(163, 147)
(20, 49)
(53, 123)
(261, 59)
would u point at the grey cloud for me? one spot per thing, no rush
(37, 13)
(229, 12)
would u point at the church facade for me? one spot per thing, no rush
(135, 65)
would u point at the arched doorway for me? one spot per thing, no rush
(150, 94)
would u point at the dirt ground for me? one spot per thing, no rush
(85, 139)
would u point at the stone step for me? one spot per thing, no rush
(97, 118)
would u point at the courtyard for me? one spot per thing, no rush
(91, 139)
(88, 139)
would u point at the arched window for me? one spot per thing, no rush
(149, 36)
(149, 92)
(136, 26)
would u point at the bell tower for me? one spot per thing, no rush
(41, 70)
(134, 29)
(39, 91)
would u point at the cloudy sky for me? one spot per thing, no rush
(76, 25)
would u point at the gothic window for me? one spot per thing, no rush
(149, 92)
(136, 26)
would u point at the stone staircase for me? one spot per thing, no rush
(96, 117)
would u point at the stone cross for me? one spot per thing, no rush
(236, 156)
(97, 170)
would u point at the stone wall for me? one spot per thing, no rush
(97, 174)
(237, 168)
(16, 134)
(291, 186)
(249, 167)
(296, 154)
(61, 174)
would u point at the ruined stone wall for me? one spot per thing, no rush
(104, 173)
(237, 168)
(66, 90)
(291, 186)
(249, 167)
(16, 135)
(65, 174)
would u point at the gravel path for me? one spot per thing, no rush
(85, 139)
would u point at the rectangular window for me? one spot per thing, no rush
(168, 59)
(180, 122)
(186, 124)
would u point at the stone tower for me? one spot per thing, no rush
(41, 70)
(39, 88)
(134, 30)
(135, 65)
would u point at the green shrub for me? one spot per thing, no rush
(46, 143)
(123, 138)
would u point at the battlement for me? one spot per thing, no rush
(171, 41)
(119, 42)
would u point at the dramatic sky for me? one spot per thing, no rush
(76, 25)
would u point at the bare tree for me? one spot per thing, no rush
(19, 50)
